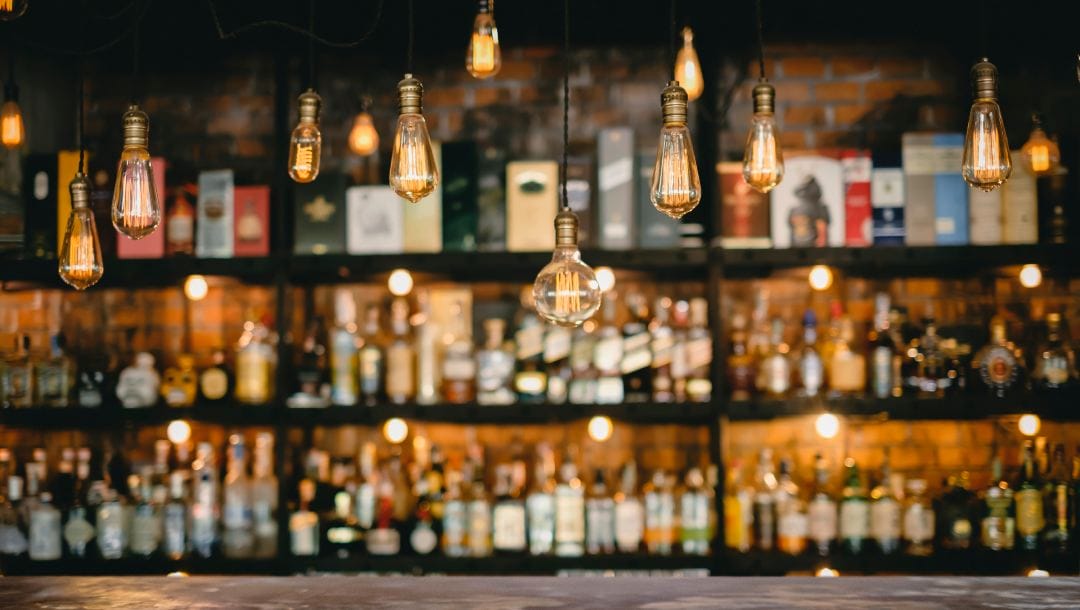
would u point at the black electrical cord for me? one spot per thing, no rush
(311, 46)
(83, 51)
(79, 116)
(760, 40)
(135, 39)
(409, 49)
(672, 34)
(223, 35)
(566, 101)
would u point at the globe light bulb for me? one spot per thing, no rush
(363, 138)
(1040, 153)
(12, 128)
(395, 430)
(1030, 276)
(1029, 424)
(763, 161)
(600, 428)
(135, 209)
(483, 59)
(566, 291)
(676, 186)
(827, 425)
(80, 255)
(688, 68)
(400, 282)
(13, 9)
(986, 163)
(413, 171)
(820, 277)
(305, 143)
(196, 288)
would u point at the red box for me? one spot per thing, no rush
(251, 221)
(858, 222)
(153, 245)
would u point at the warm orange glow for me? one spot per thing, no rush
(363, 138)
(1041, 153)
(12, 129)
(688, 68)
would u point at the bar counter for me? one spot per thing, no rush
(507, 593)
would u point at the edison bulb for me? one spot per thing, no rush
(1040, 153)
(80, 255)
(827, 425)
(688, 68)
(395, 430)
(676, 186)
(763, 160)
(135, 209)
(414, 174)
(1030, 276)
(305, 143)
(986, 162)
(820, 277)
(196, 288)
(400, 282)
(1029, 424)
(566, 291)
(13, 9)
(483, 58)
(600, 428)
(363, 138)
(12, 128)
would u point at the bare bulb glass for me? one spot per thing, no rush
(763, 160)
(414, 174)
(483, 58)
(676, 187)
(13, 9)
(363, 138)
(80, 255)
(12, 128)
(305, 143)
(986, 162)
(1040, 153)
(566, 291)
(688, 68)
(135, 209)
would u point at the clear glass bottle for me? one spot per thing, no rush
(264, 498)
(400, 356)
(629, 512)
(494, 366)
(740, 363)
(659, 515)
(509, 517)
(371, 359)
(599, 517)
(882, 350)
(608, 355)
(145, 528)
(44, 530)
(918, 520)
(699, 353)
(885, 510)
(455, 517)
(1055, 362)
(237, 536)
(179, 383)
(765, 486)
(78, 532)
(344, 352)
(774, 369)
(138, 385)
(540, 503)
(791, 519)
(998, 523)
(1058, 504)
(478, 532)
(110, 526)
(54, 376)
(821, 511)
(174, 521)
(695, 514)
(530, 378)
(458, 367)
(256, 363)
(811, 368)
(304, 524)
(204, 502)
(854, 511)
(997, 364)
(663, 341)
(17, 377)
(637, 352)
(570, 509)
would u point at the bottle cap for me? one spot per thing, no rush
(764, 97)
(410, 95)
(309, 102)
(136, 127)
(984, 80)
(673, 104)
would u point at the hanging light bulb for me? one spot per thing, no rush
(135, 209)
(566, 290)
(413, 171)
(80, 255)
(363, 138)
(13, 9)
(12, 128)
(676, 187)
(688, 68)
(305, 143)
(483, 59)
(986, 148)
(763, 161)
(1040, 153)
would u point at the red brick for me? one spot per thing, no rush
(828, 139)
(847, 114)
(851, 66)
(803, 67)
(754, 70)
(792, 140)
(837, 92)
(490, 95)
(444, 96)
(804, 116)
(792, 92)
(516, 70)
(888, 89)
(899, 66)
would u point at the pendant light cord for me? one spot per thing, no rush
(311, 46)
(566, 100)
(310, 33)
(135, 57)
(760, 40)
(409, 49)
(79, 115)
(672, 34)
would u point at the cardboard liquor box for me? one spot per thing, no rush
(858, 223)
(214, 214)
(153, 245)
(615, 180)
(887, 199)
(12, 210)
(985, 216)
(376, 220)
(423, 219)
(252, 213)
(101, 193)
(744, 212)
(320, 218)
(491, 199)
(460, 165)
(580, 170)
(40, 194)
(936, 209)
(1020, 205)
(656, 230)
(531, 203)
(807, 207)
(919, 168)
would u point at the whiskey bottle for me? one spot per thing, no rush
(215, 383)
(1055, 363)
(17, 377)
(204, 502)
(400, 356)
(811, 368)
(342, 534)
(459, 367)
(663, 341)
(996, 363)
(599, 517)
(954, 512)
(582, 373)
(540, 503)
(570, 509)
(371, 361)
(774, 369)
(918, 520)
(636, 351)
(264, 498)
(698, 353)
(423, 539)
(695, 511)
(608, 355)
(479, 515)
(78, 532)
(629, 512)
(765, 485)
(304, 524)
(998, 525)
(180, 228)
(885, 511)
(455, 518)
(54, 376)
(178, 384)
(740, 363)
(174, 519)
(110, 526)
(738, 511)
(847, 367)
(44, 530)
(854, 511)
(530, 380)
(237, 535)
(882, 350)
(1058, 505)
(659, 515)
(344, 352)
(821, 512)
(145, 527)
(494, 366)
(791, 520)
(137, 386)
(256, 363)
(508, 516)
(930, 377)
(427, 369)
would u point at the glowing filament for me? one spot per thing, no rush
(567, 291)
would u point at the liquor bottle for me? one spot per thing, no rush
(12, 539)
(636, 351)
(740, 363)
(215, 383)
(400, 356)
(371, 359)
(1029, 502)
(145, 528)
(455, 517)
(570, 509)
(997, 364)
(1058, 504)
(765, 484)
(138, 384)
(344, 353)
(954, 514)
(366, 488)
(659, 515)
(78, 532)
(44, 530)
(62, 486)
(918, 519)
(341, 534)
(427, 373)
(847, 367)
(558, 342)
(738, 511)
(810, 367)
(508, 517)
(882, 350)
(854, 511)
(494, 366)
(663, 341)
(904, 368)
(582, 388)
(180, 227)
(237, 536)
(110, 526)
(998, 525)
(423, 539)
(264, 498)
(680, 364)
(479, 515)
(930, 371)
(1055, 363)
(608, 355)
(91, 383)
(384, 538)
(774, 368)
(256, 363)
(459, 367)
(530, 380)
(792, 523)
(540, 503)
(599, 517)
(304, 524)
(174, 520)
(885, 510)
(629, 512)
(178, 384)
(699, 353)
(695, 511)
(17, 377)
(54, 376)
(821, 512)
(204, 502)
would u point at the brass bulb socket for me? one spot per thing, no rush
(309, 103)
(673, 103)
(136, 128)
(764, 97)
(80, 192)
(984, 76)
(410, 95)
(566, 228)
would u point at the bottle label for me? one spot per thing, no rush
(918, 524)
(454, 528)
(848, 371)
(371, 373)
(530, 342)
(479, 535)
(1060, 499)
(45, 534)
(180, 230)
(698, 353)
(1055, 370)
(998, 368)
(144, 531)
(459, 368)
(629, 525)
(607, 354)
(569, 518)
(383, 541)
(881, 363)
(885, 520)
(214, 383)
(636, 352)
(1029, 512)
(661, 349)
(509, 526)
(365, 505)
(659, 520)
(777, 374)
(791, 531)
(600, 524)
(581, 353)
(541, 513)
(998, 532)
(609, 390)
(400, 378)
(812, 373)
(736, 534)
(343, 369)
(423, 539)
(557, 343)
(854, 519)
(252, 376)
(822, 520)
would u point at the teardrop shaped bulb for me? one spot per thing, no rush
(986, 163)
(12, 128)
(763, 160)
(483, 57)
(135, 209)
(305, 152)
(414, 174)
(80, 254)
(676, 186)
(688, 67)
(363, 138)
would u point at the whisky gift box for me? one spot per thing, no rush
(887, 201)
(531, 203)
(40, 187)
(579, 194)
(423, 219)
(12, 214)
(656, 230)
(319, 212)
(214, 215)
(101, 192)
(615, 180)
(936, 210)
(857, 167)
(807, 207)
(1020, 205)
(376, 220)
(459, 205)
(251, 236)
(744, 212)
(985, 216)
(919, 168)
(153, 245)
(491, 199)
